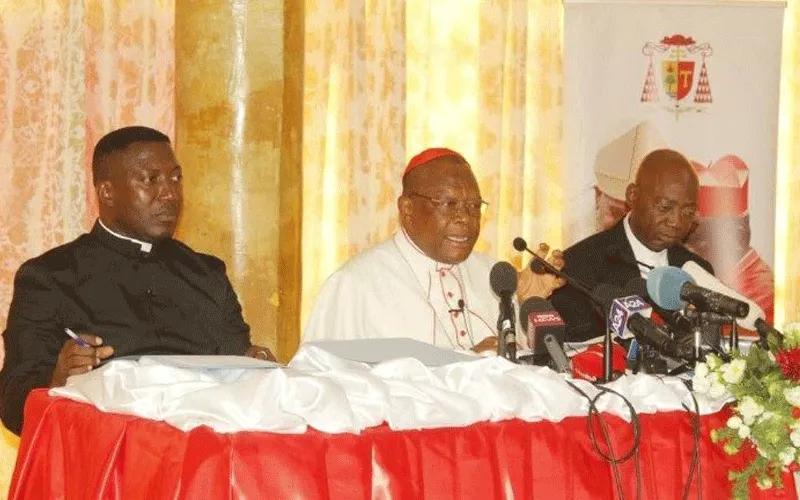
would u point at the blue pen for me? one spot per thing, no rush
(78, 340)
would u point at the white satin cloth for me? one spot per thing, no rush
(335, 395)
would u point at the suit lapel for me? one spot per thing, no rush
(621, 272)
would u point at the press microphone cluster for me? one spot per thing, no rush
(503, 280)
(629, 316)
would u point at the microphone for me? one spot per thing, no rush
(708, 280)
(644, 330)
(545, 332)
(672, 287)
(540, 265)
(503, 280)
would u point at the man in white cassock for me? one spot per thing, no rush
(425, 283)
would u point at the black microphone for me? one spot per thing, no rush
(545, 332)
(503, 280)
(539, 266)
(672, 287)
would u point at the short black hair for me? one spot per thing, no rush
(118, 140)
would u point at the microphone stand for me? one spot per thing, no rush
(701, 322)
(506, 334)
(734, 340)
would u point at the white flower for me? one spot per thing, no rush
(734, 422)
(744, 432)
(795, 437)
(701, 370)
(713, 362)
(717, 390)
(749, 409)
(733, 372)
(765, 483)
(786, 456)
(792, 395)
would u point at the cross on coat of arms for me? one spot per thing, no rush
(677, 57)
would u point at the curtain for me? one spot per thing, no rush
(386, 79)
(70, 71)
(787, 208)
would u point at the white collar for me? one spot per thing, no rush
(641, 252)
(146, 247)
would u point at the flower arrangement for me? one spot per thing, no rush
(766, 415)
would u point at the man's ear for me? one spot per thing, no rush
(631, 194)
(105, 193)
(404, 207)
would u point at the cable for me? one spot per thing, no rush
(696, 463)
(611, 457)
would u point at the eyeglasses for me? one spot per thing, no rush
(450, 206)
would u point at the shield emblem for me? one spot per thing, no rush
(678, 77)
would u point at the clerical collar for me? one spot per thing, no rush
(145, 246)
(642, 253)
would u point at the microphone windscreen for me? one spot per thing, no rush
(664, 287)
(520, 245)
(503, 278)
(708, 280)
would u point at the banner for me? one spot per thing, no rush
(699, 77)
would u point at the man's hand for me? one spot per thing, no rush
(74, 359)
(260, 352)
(532, 284)
(487, 344)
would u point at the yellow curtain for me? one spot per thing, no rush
(70, 71)
(787, 209)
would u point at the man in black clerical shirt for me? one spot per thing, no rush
(663, 208)
(126, 287)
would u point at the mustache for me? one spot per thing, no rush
(172, 210)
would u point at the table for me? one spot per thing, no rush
(71, 450)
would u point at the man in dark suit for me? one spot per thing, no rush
(126, 287)
(663, 206)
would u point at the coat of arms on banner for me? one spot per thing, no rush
(675, 59)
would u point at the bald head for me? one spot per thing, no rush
(664, 165)
(663, 200)
(440, 208)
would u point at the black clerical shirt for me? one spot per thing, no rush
(170, 300)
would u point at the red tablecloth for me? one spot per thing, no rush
(72, 450)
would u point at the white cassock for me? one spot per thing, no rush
(395, 290)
